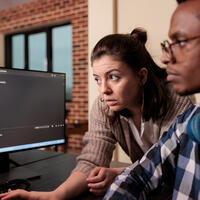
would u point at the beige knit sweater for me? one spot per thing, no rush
(105, 132)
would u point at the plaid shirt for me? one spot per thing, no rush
(175, 157)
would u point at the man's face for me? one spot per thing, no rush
(183, 65)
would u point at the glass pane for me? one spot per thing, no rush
(18, 56)
(37, 51)
(62, 54)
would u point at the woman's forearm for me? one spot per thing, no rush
(72, 187)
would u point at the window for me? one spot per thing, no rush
(46, 49)
(18, 51)
(37, 51)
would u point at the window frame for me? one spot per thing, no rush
(46, 29)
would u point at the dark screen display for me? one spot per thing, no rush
(32, 106)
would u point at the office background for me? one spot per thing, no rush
(90, 21)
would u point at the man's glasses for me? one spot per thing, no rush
(171, 48)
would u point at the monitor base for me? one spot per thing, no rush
(18, 173)
(10, 170)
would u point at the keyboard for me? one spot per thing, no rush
(14, 184)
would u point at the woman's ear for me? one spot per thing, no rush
(143, 74)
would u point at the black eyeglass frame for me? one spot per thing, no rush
(167, 46)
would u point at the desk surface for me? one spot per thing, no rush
(53, 167)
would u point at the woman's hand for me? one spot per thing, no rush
(72, 187)
(100, 179)
(24, 195)
(15, 194)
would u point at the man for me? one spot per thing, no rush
(176, 157)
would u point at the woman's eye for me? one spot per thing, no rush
(114, 77)
(97, 80)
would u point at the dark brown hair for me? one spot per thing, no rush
(130, 49)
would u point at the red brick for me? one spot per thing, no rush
(42, 12)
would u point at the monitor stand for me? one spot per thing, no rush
(9, 172)
(4, 162)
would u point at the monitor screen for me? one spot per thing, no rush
(32, 105)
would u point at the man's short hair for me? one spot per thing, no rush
(180, 1)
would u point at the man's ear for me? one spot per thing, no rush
(143, 74)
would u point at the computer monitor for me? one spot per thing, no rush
(32, 111)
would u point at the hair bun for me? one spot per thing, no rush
(140, 34)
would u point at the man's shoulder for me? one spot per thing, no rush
(180, 124)
(184, 116)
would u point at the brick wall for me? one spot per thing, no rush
(42, 12)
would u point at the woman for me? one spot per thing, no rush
(136, 105)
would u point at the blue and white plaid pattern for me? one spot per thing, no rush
(174, 157)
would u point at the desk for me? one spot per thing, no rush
(54, 168)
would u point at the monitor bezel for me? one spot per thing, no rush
(17, 148)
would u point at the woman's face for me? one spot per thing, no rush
(118, 85)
